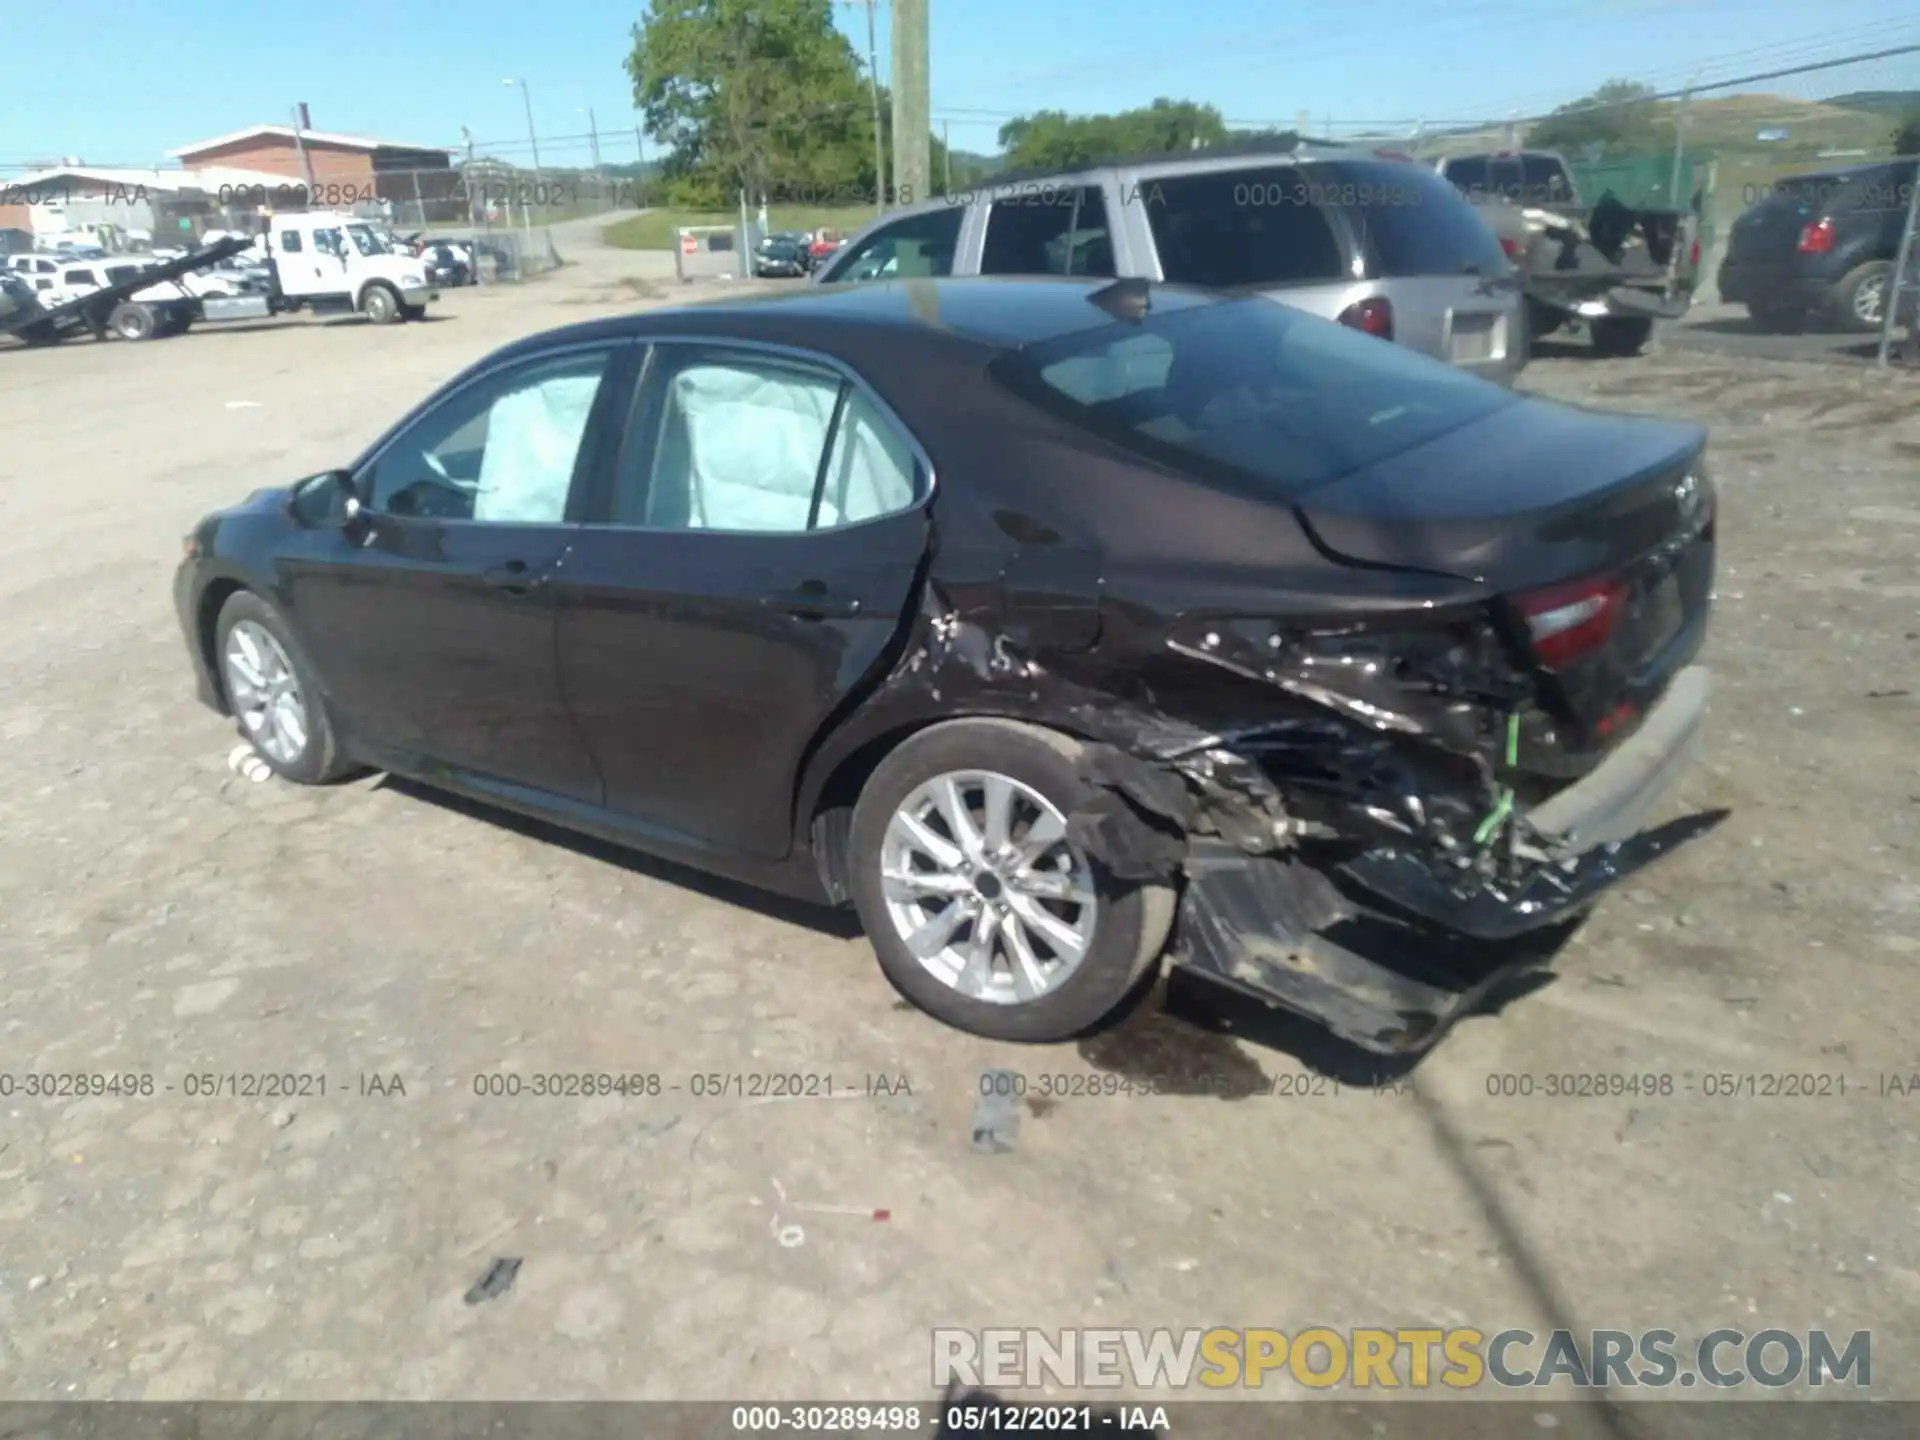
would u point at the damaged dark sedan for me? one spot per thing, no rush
(1056, 626)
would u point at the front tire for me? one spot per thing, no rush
(274, 692)
(981, 911)
(381, 305)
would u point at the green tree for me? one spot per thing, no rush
(1055, 140)
(1906, 136)
(1620, 118)
(764, 96)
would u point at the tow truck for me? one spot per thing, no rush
(322, 263)
(142, 306)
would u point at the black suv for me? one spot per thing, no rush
(1820, 247)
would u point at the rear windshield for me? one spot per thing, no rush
(1249, 392)
(1523, 179)
(1885, 187)
(1411, 222)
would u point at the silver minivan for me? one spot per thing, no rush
(1350, 235)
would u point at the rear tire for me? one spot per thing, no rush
(1129, 922)
(247, 667)
(1860, 298)
(381, 305)
(1620, 336)
(133, 321)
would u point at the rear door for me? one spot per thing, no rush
(742, 578)
(1440, 266)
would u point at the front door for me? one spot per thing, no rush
(432, 618)
(743, 573)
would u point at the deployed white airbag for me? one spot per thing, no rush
(745, 449)
(533, 439)
(754, 440)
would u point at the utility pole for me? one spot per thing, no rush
(873, 91)
(912, 117)
(593, 137)
(946, 156)
(300, 128)
(532, 139)
(466, 183)
(640, 179)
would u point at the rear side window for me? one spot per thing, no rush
(1232, 228)
(1411, 222)
(1250, 393)
(1053, 232)
(290, 242)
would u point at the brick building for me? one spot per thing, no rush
(348, 170)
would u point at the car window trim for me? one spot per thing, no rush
(619, 372)
(643, 408)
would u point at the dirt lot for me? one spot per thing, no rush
(161, 916)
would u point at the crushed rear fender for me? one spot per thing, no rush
(1330, 801)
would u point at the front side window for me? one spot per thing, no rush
(503, 450)
(1227, 229)
(365, 241)
(916, 248)
(762, 445)
(80, 277)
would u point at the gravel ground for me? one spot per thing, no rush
(161, 916)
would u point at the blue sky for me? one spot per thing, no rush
(149, 76)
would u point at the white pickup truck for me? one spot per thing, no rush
(326, 262)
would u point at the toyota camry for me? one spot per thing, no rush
(1058, 627)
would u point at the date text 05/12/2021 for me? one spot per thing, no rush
(496, 1084)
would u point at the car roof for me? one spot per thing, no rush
(985, 313)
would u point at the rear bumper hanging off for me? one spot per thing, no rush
(1383, 951)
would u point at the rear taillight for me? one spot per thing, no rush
(1372, 317)
(1693, 255)
(1817, 238)
(1511, 247)
(1567, 621)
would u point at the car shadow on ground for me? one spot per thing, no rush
(840, 924)
(1179, 1032)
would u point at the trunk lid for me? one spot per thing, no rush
(1546, 504)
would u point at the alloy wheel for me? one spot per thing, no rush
(266, 692)
(1868, 299)
(985, 889)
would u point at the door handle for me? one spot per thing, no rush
(514, 578)
(811, 601)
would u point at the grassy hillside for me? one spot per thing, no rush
(1729, 126)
